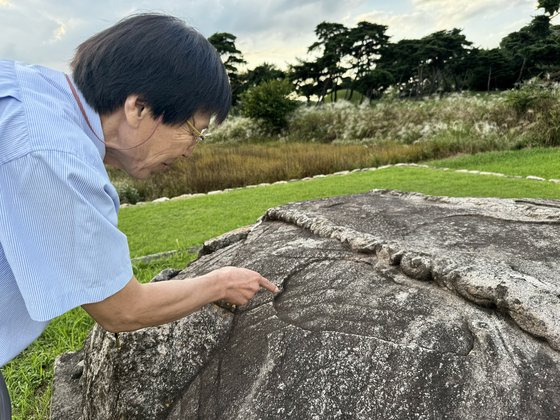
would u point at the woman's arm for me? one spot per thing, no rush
(143, 305)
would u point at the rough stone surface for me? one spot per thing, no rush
(139, 375)
(166, 274)
(392, 306)
(66, 402)
(225, 240)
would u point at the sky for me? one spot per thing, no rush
(47, 32)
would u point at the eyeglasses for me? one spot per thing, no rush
(198, 135)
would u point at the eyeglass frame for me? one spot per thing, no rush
(199, 136)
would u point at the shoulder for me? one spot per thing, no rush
(39, 114)
(13, 127)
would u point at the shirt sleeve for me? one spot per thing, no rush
(58, 228)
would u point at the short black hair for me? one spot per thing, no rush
(170, 65)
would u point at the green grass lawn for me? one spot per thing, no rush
(181, 224)
(543, 162)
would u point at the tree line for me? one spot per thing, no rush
(363, 59)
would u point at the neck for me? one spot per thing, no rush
(110, 124)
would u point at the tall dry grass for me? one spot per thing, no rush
(214, 167)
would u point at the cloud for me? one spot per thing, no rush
(260, 25)
(58, 33)
(453, 12)
(47, 33)
(289, 18)
(485, 22)
(276, 31)
(401, 26)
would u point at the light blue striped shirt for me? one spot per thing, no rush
(59, 243)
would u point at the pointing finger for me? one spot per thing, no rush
(268, 285)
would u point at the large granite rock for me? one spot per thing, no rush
(393, 306)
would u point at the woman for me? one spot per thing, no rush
(141, 95)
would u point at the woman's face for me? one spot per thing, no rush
(159, 145)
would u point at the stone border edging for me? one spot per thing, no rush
(265, 184)
(153, 257)
(165, 254)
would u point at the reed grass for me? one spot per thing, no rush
(220, 166)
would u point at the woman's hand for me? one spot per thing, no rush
(239, 285)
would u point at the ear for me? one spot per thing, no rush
(135, 110)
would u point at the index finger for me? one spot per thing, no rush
(268, 285)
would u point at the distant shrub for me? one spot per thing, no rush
(530, 98)
(323, 124)
(537, 109)
(127, 192)
(269, 104)
(545, 131)
(236, 129)
(403, 121)
(525, 117)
